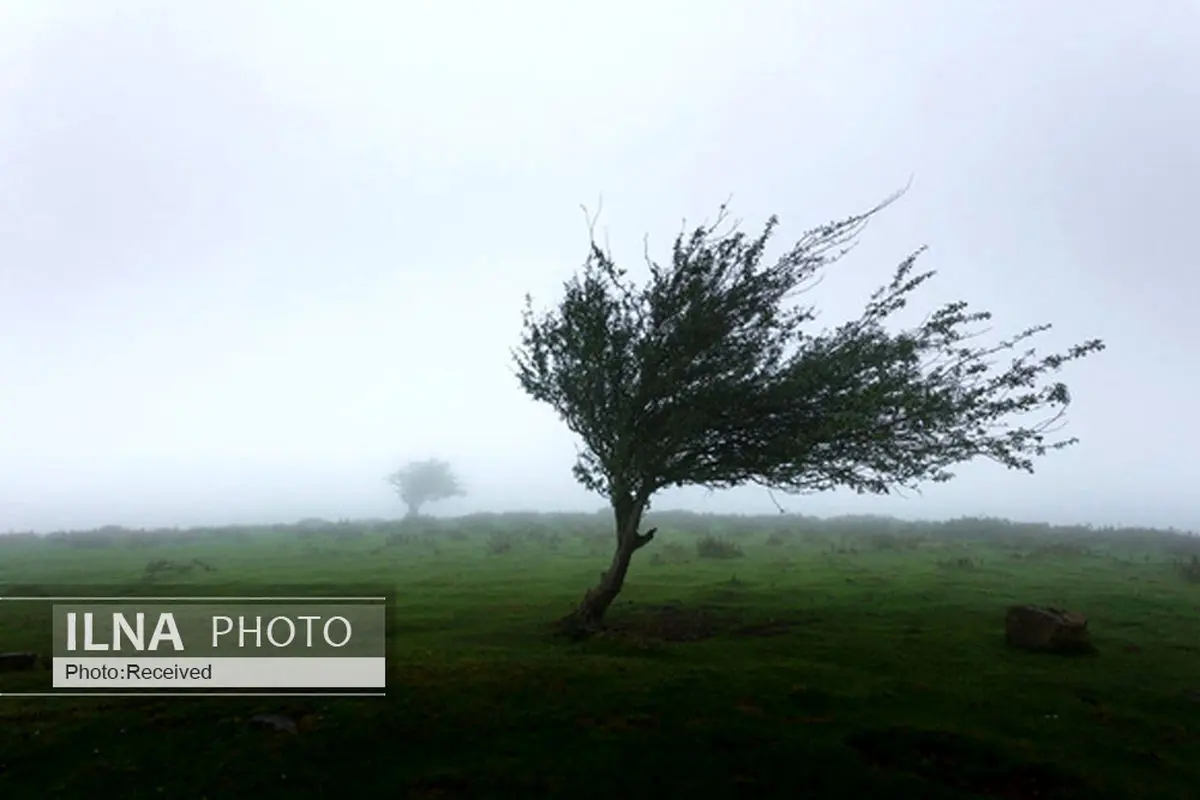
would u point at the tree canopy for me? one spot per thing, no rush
(710, 373)
(421, 482)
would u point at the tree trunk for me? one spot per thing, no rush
(587, 618)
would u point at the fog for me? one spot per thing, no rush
(253, 256)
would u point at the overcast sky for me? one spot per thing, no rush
(253, 255)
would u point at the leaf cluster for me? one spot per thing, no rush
(709, 373)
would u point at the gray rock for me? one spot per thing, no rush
(1047, 630)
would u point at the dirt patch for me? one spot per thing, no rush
(667, 623)
(964, 764)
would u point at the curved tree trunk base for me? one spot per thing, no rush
(587, 618)
(575, 628)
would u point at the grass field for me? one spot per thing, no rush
(754, 656)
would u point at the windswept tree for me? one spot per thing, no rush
(708, 373)
(421, 482)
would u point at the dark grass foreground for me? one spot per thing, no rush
(797, 658)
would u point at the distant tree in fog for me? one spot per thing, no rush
(707, 375)
(421, 482)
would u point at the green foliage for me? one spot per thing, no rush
(166, 566)
(500, 543)
(713, 547)
(421, 482)
(1190, 570)
(708, 375)
(401, 539)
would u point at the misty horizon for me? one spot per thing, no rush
(254, 259)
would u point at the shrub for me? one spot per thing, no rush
(499, 543)
(1190, 570)
(712, 547)
(167, 566)
(960, 564)
(400, 539)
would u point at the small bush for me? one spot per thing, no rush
(960, 564)
(400, 539)
(712, 547)
(776, 540)
(499, 543)
(167, 566)
(1190, 570)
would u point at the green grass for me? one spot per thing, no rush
(831, 659)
